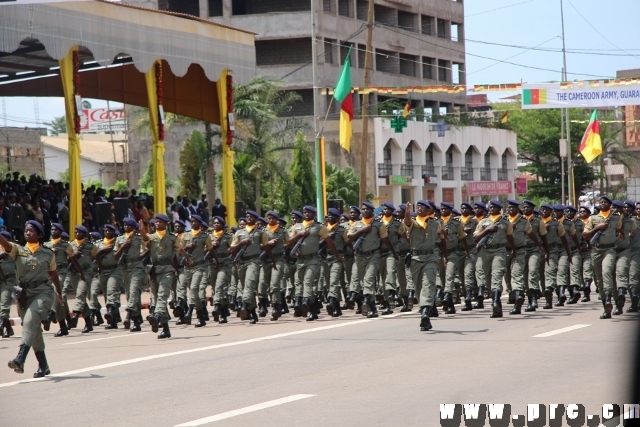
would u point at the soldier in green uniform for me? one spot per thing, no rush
(577, 255)
(565, 261)
(533, 255)
(94, 289)
(423, 230)
(557, 242)
(246, 246)
(184, 305)
(130, 249)
(7, 284)
(365, 236)
(64, 255)
(601, 231)
(405, 280)
(467, 264)
(351, 268)
(455, 237)
(333, 268)
(84, 252)
(498, 231)
(587, 266)
(304, 241)
(36, 270)
(480, 210)
(296, 217)
(634, 265)
(272, 278)
(196, 245)
(235, 294)
(163, 249)
(623, 252)
(389, 265)
(285, 273)
(220, 270)
(111, 277)
(523, 235)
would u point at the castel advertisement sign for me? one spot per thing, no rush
(102, 120)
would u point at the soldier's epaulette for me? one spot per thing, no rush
(48, 249)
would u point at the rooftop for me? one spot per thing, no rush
(97, 151)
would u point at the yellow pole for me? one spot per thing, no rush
(152, 78)
(323, 174)
(228, 186)
(75, 183)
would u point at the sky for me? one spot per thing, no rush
(601, 38)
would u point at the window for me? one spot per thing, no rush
(407, 167)
(504, 160)
(215, 7)
(468, 158)
(427, 68)
(329, 49)
(487, 159)
(343, 8)
(427, 25)
(326, 6)
(443, 71)
(442, 28)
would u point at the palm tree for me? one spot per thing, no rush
(615, 149)
(343, 184)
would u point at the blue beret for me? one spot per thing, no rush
(480, 205)
(434, 206)
(131, 222)
(455, 211)
(413, 214)
(204, 225)
(253, 213)
(571, 208)
(496, 203)
(152, 221)
(630, 203)
(64, 235)
(111, 227)
(446, 205)
(310, 209)
(162, 217)
(606, 198)
(546, 205)
(178, 221)
(345, 216)
(586, 209)
(355, 208)
(530, 203)
(618, 204)
(262, 220)
(402, 207)
(197, 218)
(334, 212)
(118, 233)
(282, 221)
(273, 214)
(513, 202)
(297, 213)
(389, 205)
(536, 211)
(6, 235)
(220, 220)
(424, 203)
(58, 226)
(466, 204)
(81, 228)
(558, 207)
(368, 204)
(96, 235)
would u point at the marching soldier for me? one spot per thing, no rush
(163, 248)
(587, 267)
(351, 268)
(467, 266)
(534, 257)
(389, 264)
(220, 270)
(365, 235)
(455, 236)
(84, 252)
(333, 267)
(623, 251)
(564, 259)
(492, 235)
(405, 280)
(577, 255)
(423, 231)
(296, 217)
(235, 293)
(480, 211)
(600, 230)
(277, 239)
(35, 270)
(634, 267)
(196, 274)
(184, 304)
(130, 249)
(557, 241)
(110, 276)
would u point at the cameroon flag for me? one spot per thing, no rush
(407, 109)
(591, 144)
(343, 95)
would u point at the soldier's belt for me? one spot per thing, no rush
(307, 257)
(402, 253)
(366, 253)
(197, 264)
(618, 250)
(33, 283)
(162, 263)
(61, 266)
(495, 246)
(419, 252)
(609, 246)
(249, 258)
(452, 250)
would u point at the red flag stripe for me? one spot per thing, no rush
(347, 106)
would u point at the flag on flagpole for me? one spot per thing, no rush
(343, 95)
(505, 117)
(591, 144)
(407, 109)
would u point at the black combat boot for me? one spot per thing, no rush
(373, 311)
(17, 364)
(390, 303)
(562, 298)
(178, 311)
(448, 300)
(496, 304)
(43, 366)
(73, 320)
(467, 301)
(112, 318)
(512, 297)
(332, 304)
(224, 313)
(166, 333)
(46, 323)
(405, 304)
(136, 325)
(244, 311)
(8, 330)
(2, 321)
(63, 329)
(238, 307)
(313, 313)
(216, 313)
(186, 319)
(152, 309)
(412, 298)
(575, 295)
(439, 295)
(434, 311)
(587, 291)
(254, 316)
(232, 302)
(126, 323)
(518, 302)
(205, 312)
(548, 297)
(634, 302)
(154, 321)
(608, 306)
(97, 315)
(366, 304)
(425, 322)
(297, 307)
(620, 301)
(201, 312)
(338, 311)
(359, 304)
(289, 297)
(305, 307)
(262, 304)
(284, 305)
(480, 298)
(531, 296)
(88, 324)
(276, 311)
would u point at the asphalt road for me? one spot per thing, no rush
(347, 371)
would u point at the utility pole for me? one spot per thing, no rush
(566, 113)
(316, 129)
(365, 104)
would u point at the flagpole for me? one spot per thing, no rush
(570, 189)
(314, 57)
(365, 104)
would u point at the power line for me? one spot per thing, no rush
(574, 51)
(499, 8)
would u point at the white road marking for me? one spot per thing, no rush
(246, 410)
(107, 338)
(560, 331)
(193, 350)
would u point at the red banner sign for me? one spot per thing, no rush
(521, 186)
(489, 188)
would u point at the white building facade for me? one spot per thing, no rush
(466, 164)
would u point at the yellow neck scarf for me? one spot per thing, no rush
(79, 242)
(129, 234)
(56, 241)
(445, 218)
(495, 218)
(108, 242)
(387, 219)
(307, 223)
(33, 247)
(422, 221)
(249, 228)
(273, 228)
(529, 217)
(331, 226)
(367, 221)
(514, 218)
(162, 233)
(479, 218)
(195, 233)
(465, 219)
(351, 222)
(606, 214)
(547, 220)
(218, 234)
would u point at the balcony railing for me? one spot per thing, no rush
(384, 170)
(447, 173)
(485, 174)
(466, 174)
(406, 170)
(428, 171)
(502, 174)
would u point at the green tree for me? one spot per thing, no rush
(145, 185)
(192, 165)
(57, 126)
(343, 184)
(302, 175)
(614, 149)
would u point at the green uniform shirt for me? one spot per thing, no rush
(339, 235)
(554, 232)
(33, 268)
(635, 238)
(258, 237)
(628, 227)
(87, 252)
(455, 232)
(498, 237)
(222, 251)
(62, 250)
(132, 255)
(392, 232)
(279, 234)
(423, 235)
(203, 244)
(608, 236)
(163, 248)
(521, 230)
(371, 241)
(311, 243)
